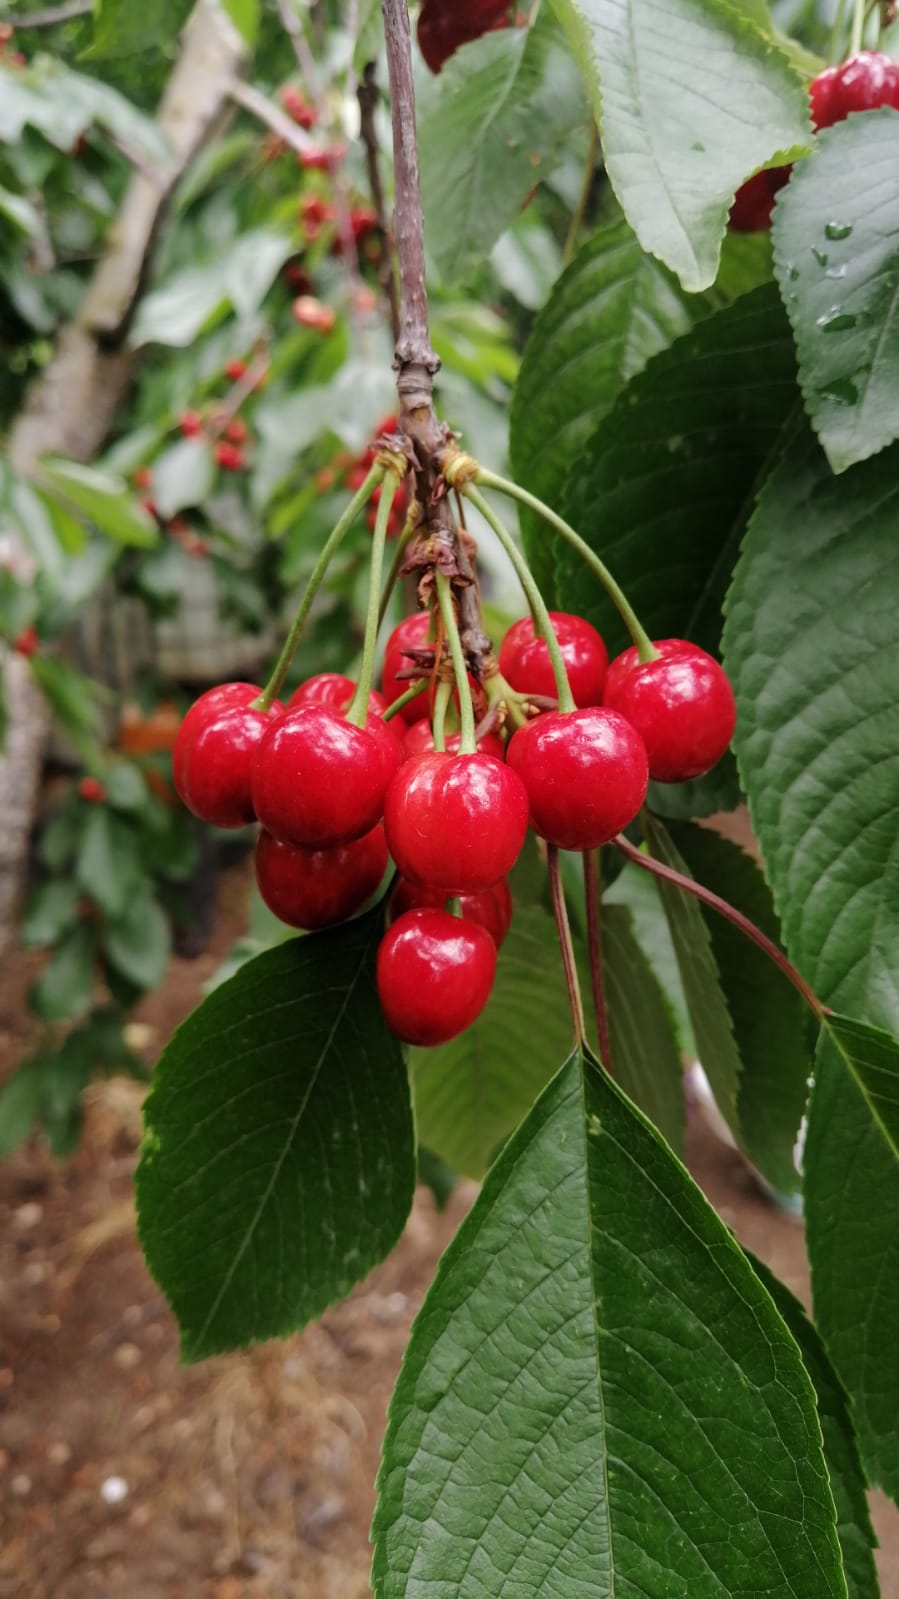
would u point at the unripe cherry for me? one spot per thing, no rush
(312, 888)
(434, 974)
(585, 773)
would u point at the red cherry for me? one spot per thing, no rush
(297, 108)
(585, 772)
(314, 213)
(434, 972)
(237, 431)
(312, 888)
(419, 740)
(334, 690)
(363, 220)
(27, 642)
(318, 780)
(682, 705)
(863, 83)
(455, 822)
(413, 633)
(230, 457)
(235, 370)
(491, 908)
(318, 159)
(754, 200)
(213, 753)
(525, 664)
(444, 25)
(191, 424)
(311, 313)
(92, 790)
(143, 477)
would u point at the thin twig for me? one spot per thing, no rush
(51, 18)
(260, 107)
(730, 913)
(416, 359)
(563, 926)
(368, 94)
(240, 390)
(594, 942)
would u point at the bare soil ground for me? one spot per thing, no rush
(126, 1476)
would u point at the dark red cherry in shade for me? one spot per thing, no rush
(585, 772)
(754, 200)
(682, 705)
(525, 664)
(455, 822)
(318, 780)
(312, 888)
(863, 83)
(419, 740)
(213, 755)
(434, 974)
(335, 690)
(491, 908)
(414, 632)
(444, 25)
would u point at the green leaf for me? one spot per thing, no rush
(64, 987)
(62, 105)
(73, 698)
(245, 16)
(193, 299)
(691, 97)
(108, 863)
(645, 1057)
(126, 786)
(471, 1093)
(609, 312)
(106, 499)
(718, 790)
(770, 1020)
(847, 1481)
(872, 1057)
(138, 941)
(278, 1162)
(183, 475)
(836, 252)
(52, 909)
(121, 28)
(636, 890)
(21, 1105)
(667, 482)
(490, 128)
(598, 1396)
(436, 1175)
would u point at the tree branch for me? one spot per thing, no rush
(368, 95)
(260, 107)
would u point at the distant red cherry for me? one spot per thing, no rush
(92, 790)
(413, 633)
(863, 83)
(490, 908)
(682, 705)
(27, 642)
(434, 974)
(444, 25)
(191, 424)
(318, 158)
(213, 754)
(585, 773)
(754, 200)
(318, 780)
(235, 370)
(525, 664)
(312, 313)
(297, 107)
(143, 477)
(419, 740)
(312, 888)
(230, 457)
(236, 431)
(455, 822)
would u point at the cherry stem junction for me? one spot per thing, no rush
(358, 707)
(730, 912)
(468, 744)
(329, 550)
(560, 911)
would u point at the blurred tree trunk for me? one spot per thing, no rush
(71, 408)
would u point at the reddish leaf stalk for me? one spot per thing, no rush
(560, 911)
(594, 945)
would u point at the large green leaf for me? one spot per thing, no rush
(771, 1022)
(691, 97)
(611, 310)
(489, 129)
(63, 105)
(65, 987)
(645, 1057)
(138, 941)
(471, 1093)
(105, 498)
(236, 279)
(667, 481)
(183, 475)
(598, 1396)
(847, 1480)
(812, 645)
(836, 252)
(872, 1058)
(278, 1162)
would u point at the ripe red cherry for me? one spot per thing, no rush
(863, 83)
(213, 754)
(434, 973)
(525, 664)
(413, 633)
(311, 313)
(92, 790)
(230, 457)
(297, 108)
(682, 705)
(444, 25)
(419, 740)
(312, 888)
(585, 772)
(754, 200)
(335, 690)
(455, 822)
(191, 424)
(318, 780)
(491, 908)
(27, 642)
(235, 370)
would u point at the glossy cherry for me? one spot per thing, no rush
(585, 772)
(455, 822)
(318, 780)
(419, 740)
(754, 200)
(335, 690)
(682, 705)
(434, 974)
(413, 633)
(863, 83)
(525, 664)
(491, 908)
(213, 754)
(444, 25)
(312, 888)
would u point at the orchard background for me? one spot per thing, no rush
(631, 276)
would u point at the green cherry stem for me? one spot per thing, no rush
(532, 593)
(646, 650)
(398, 705)
(468, 743)
(357, 711)
(836, 34)
(438, 725)
(594, 943)
(560, 911)
(858, 26)
(399, 556)
(335, 539)
(730, 912)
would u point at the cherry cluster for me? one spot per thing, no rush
(863, 83)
